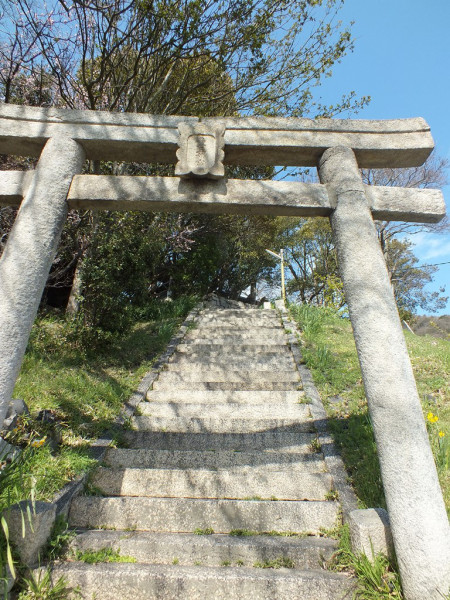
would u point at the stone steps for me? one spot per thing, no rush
(201, 483)
(222, 446)
(265, 441)
(234, 462)
(219, 425)
(208, 550)
(185, 515)
(173, 582)
(206, 375)
(199, 363)
(225, 410)
(223, 396)
(260, 385)
(242, 350)
(248, 339)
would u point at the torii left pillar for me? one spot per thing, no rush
(29, 252)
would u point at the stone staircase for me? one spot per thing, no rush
(221, 468)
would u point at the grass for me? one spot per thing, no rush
(329, 352)
(83, 390)
(376, 579)
(249, 533)
(207, 531)
(104, 555)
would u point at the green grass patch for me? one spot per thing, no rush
(206, 531)
(104, 555)
(329, 351)
(83, 389)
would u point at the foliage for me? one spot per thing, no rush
(377, 579)
(311, 260)
(202, 57)
(409, 280)
(104, 555)
(41, 587)
(138, 56)
(60, 538)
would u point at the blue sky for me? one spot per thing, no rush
(402, 60)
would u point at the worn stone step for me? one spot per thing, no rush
(208, 550)
(225, 410)
(201, 483)
(250, 337)
(264, 442)
(235, 462)
(222, 396)
(180, 515)
(262, 384)
(224, 374)
(199, 362)
(244, 349)
(240, 328)
(219, 425)
(110, 581)
(244, 314)
(237, 325)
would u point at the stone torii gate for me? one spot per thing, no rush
(64, 139)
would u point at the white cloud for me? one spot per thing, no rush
(431, 247)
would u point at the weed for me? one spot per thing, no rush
(332, 495)
(282, 562)
(315, 446)
(197, 563)
(242, 532)
(305, 400)
(239, 563)
(376, 580)
(226, 563)
(104, 555)
(206, 531)
(60, 538)
(175, 561)
(92, 490)
(285, 534)
(41, 588)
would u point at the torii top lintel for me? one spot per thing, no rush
(247, 140)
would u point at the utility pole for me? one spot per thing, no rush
(280, 258)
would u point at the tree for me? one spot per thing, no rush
(203, 57)
(409, 279)
(432, 174)
(127, 54)
(311, 256)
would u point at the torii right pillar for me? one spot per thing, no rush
(414, 499)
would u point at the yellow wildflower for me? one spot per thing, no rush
(441, 434)
(38, 443)
(432, 418)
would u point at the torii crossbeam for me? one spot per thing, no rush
(200, 149)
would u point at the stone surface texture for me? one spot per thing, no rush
(37, 519)
(416, 508)
(231, 196)
(370, 532)
(28, 255)
(249, 141)
(201, 151)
